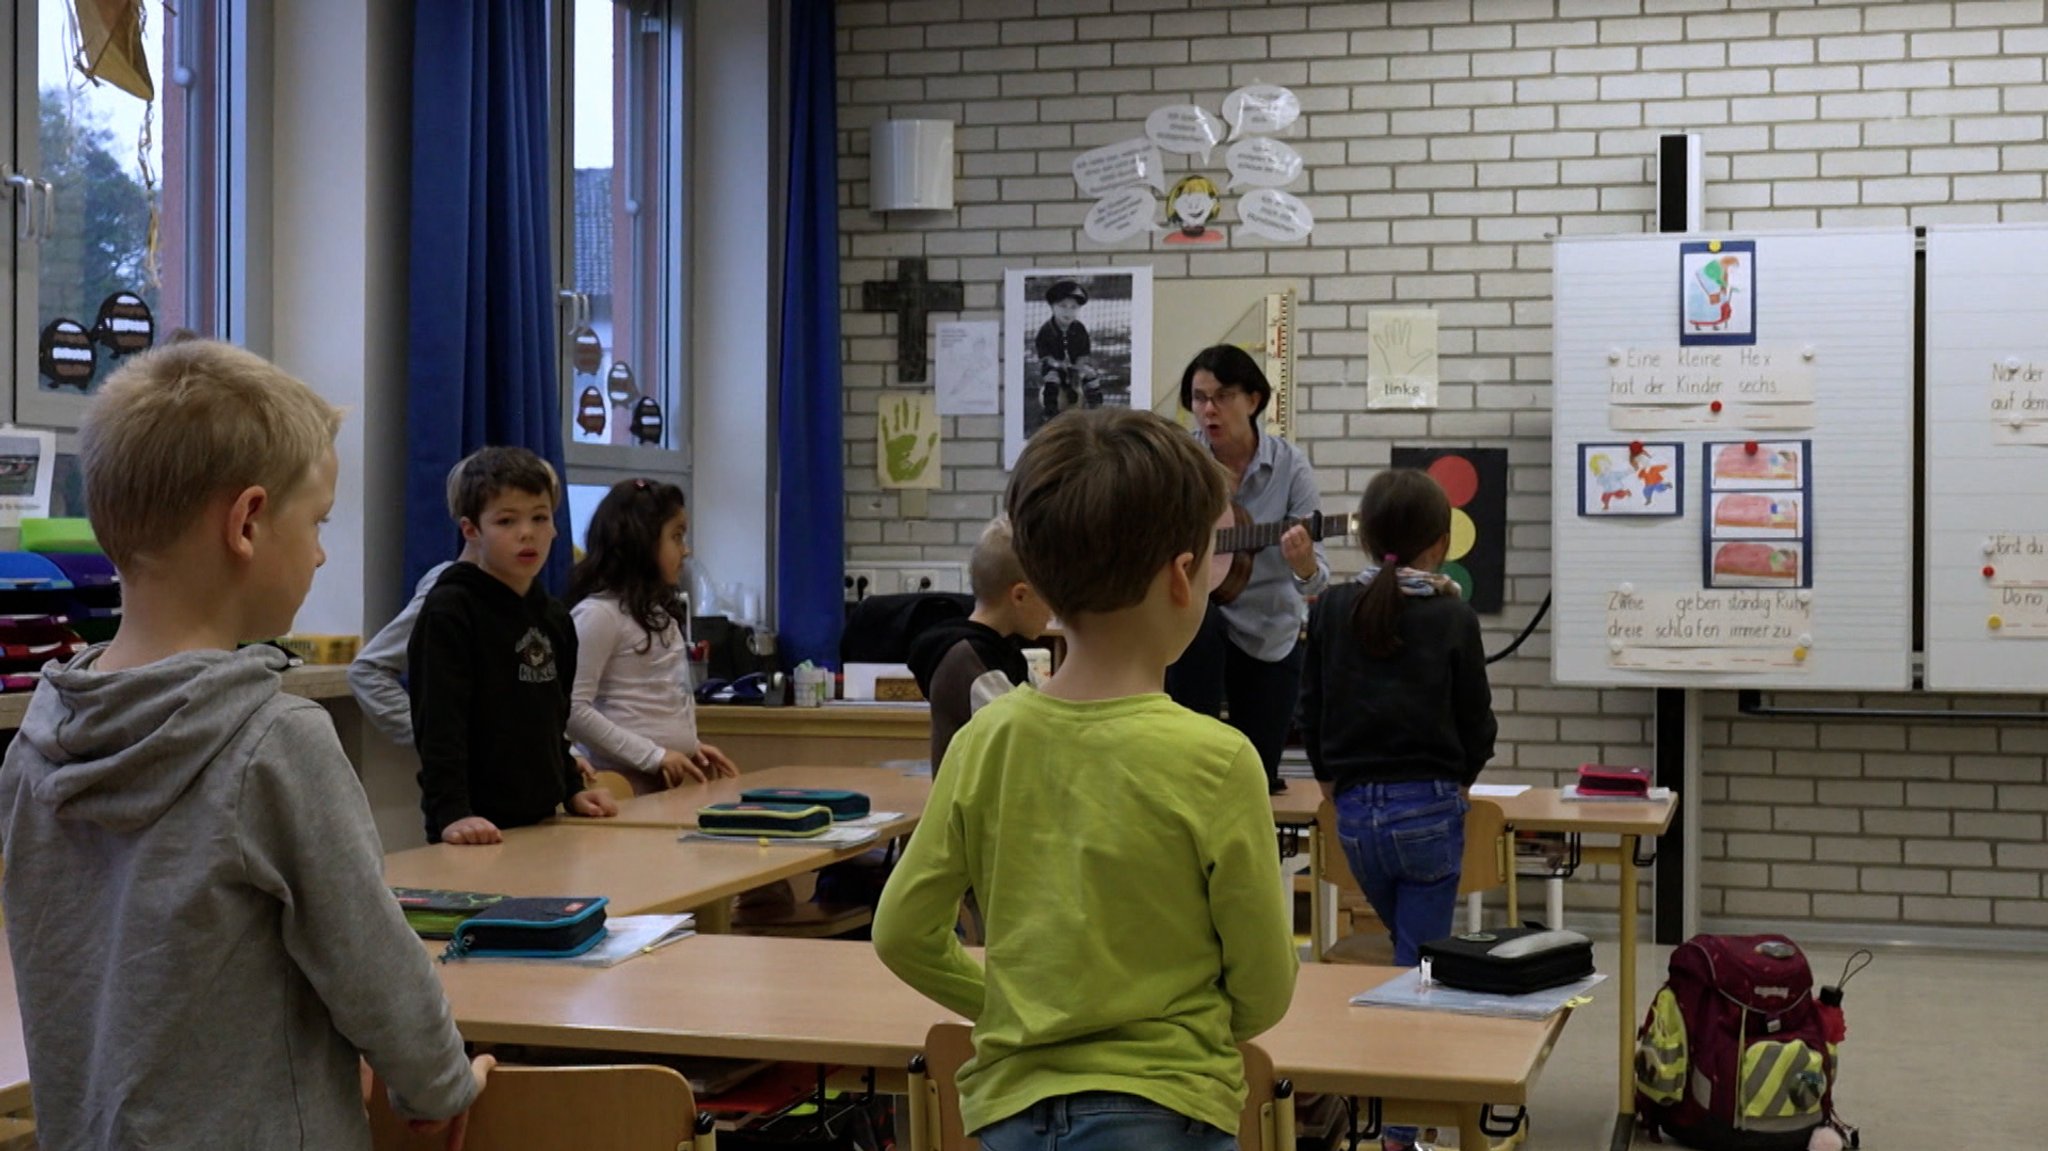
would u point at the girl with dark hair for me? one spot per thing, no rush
(631, 707)
(1246, 654)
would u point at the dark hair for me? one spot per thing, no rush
(1101, 500)
(1233, 367)
(621, 555)
(492, 472)
(1402, 514)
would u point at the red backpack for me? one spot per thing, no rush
(1735, 1053)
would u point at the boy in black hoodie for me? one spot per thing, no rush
(493, 657)
(962, 664)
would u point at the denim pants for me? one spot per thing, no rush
(1263, 694)
(1102, 1121)
(1406, 845)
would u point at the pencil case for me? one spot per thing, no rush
(842, 804)
(778, 820)
(530, 928)
(1509, 961)
(435, 914)
(1600, 779)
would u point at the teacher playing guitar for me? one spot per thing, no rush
(1246, 653)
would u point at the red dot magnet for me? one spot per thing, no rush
(1750, 447)
(1715, 407)
(1635, 447)
(1989, 571)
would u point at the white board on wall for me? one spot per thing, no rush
(1987, 337)
(1841, 303)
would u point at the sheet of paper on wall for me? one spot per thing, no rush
(1761, 388)
(1401, 358)
(2019, 400)
(907, 440)
(27, 467)
(970, 368)
(2017, 613)
(1689, 629)
(2015, 559)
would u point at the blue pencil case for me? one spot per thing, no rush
(530, 929)
(842, 804)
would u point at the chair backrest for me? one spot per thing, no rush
(1487, 850)
(629, 1108)
(616, 784)
(1265, 1124)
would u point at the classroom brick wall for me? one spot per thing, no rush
(1446, 140)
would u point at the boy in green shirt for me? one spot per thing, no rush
(1121, 846)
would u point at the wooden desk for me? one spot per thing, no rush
(886, 788)
(836, 734)
(641, 870)
(313, 681)
(1546, 809)
(832, 1001)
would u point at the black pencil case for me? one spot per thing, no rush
(780, 820)
(842, 804)
(531, 928)
(1509, 961)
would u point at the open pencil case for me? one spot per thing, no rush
(530, 929)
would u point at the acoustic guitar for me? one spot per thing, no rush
(1240, 540)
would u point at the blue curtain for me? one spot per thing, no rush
(810, 508)
(481, 367)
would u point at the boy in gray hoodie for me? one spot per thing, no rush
(202, 939)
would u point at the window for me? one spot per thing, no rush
(115, 206)
(619, 149)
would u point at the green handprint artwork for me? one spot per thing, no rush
(907, 442)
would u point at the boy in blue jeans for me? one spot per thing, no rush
(1120, 845)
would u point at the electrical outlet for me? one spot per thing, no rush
(930, 579)
(862, 583)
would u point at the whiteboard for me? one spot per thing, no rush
(1987, 303)
(1845, 296)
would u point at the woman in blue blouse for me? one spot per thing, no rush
(1247, 654)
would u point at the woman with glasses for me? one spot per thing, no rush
(1247, 654)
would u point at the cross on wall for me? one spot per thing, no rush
(913, 297)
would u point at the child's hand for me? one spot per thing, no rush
(476, 829)
(714, 762)
(584, 769)
(678, 769)
(596, 804)
(458, 1127)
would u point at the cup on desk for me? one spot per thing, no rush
(810, 687)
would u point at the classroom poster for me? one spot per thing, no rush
(1401, 360)
(1717, 292)
(1758, 521)
(907, 441)
(1073, 338)
(1631, 479)
(1476, 480)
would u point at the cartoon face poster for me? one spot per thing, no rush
(1631, 479)
(1717, 290)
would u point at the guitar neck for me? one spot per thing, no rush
(1256, 537)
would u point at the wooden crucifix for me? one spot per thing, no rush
(913, 298)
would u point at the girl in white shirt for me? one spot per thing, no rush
(631, 708)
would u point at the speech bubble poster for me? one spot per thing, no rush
(1138, 199)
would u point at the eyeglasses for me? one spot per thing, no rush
(1213, 399)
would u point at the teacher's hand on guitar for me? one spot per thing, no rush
(1299, 551)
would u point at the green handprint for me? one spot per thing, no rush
(909, 448)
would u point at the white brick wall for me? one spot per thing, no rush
(1446, 140)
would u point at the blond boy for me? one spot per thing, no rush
(201, 935)
(1121, 847)
(961, 664)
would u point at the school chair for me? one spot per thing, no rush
(1265, 1124)
(626, 1108)
(615, 785)
(1488, 856)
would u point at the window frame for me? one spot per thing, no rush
(657, 120)
(221, 201)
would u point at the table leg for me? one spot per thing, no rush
(1318, 925)
(1625, 1119)
(715, 918)
(1470, 1133)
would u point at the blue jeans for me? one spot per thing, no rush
(1102, 1121)
(1406, 845)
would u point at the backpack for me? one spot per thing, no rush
(1734, 1054)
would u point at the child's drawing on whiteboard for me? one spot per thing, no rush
(1717, 292)
(1754, 564)
(1631, 479)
